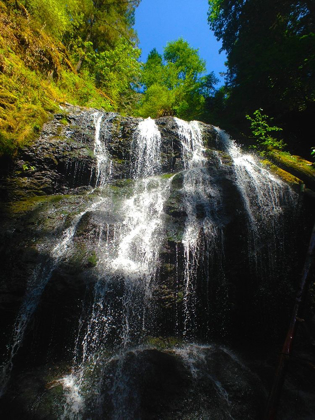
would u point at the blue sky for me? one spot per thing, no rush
(161, 21)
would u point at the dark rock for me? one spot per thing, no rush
(50, 193)
(149, 384)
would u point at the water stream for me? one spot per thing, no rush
(122, 314)
(203, 237)
(265, 199)
(45, 269)
(120, 310)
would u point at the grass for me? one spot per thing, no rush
(294, 167)
(36, 76)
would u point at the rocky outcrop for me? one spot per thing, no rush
(233, 282)
(62, 159)
(150, 384)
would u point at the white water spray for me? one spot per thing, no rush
(127, 261)
(201, 201)
(103, 162)
(265, 197)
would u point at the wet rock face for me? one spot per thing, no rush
(64, 242)
(181, 384)
(47, 187)
(62, 160)
(55, 178)
(186, 383)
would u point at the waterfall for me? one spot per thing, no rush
(202, 238)
(156, 275)
(265, 197)
(146, 150)
(44, 270)
(121, 313)
(103, 162)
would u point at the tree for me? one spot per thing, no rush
(98, 42)
(270, 46)
(57, 16)
(103, 23)
(174, 84)
(116, 71)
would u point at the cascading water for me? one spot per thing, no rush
(43, 272)
(146, 150)
(127, 265)
(122, 313)
(202, 238)
(265, 197)
(145, 286)
(103, 162)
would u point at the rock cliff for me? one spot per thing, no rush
(105, 248)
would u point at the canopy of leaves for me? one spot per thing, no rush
(261, 131)
(174, 84)
(270, 46)
(58, 17)
(41, 45)
(116, 71)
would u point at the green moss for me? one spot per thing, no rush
(168, 268)
(180, 297)
(292, 169)
(295, 162)
(167, 176)
(175, 235)
(35, 77)
(284, 175)
(119, 161)
(163, 343)
(78, 260)
(29, 204)
(92, 259)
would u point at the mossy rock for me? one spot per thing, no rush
(299, 169)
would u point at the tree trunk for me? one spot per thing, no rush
(274, 397)
(81, 59)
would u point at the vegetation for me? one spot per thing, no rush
(174, 84)
(260, 129)
(54, 52)
(85, 52)
(270, 47)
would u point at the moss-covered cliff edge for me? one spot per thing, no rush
(238, 293)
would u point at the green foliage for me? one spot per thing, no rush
(41, 43)
(81, 90)
(57, 16)
(260, 129)
(270, 47)
(102, 24)
(117, 70)
(157, 101)
(174, 84)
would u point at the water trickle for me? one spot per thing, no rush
(193, 150)
(103, 162)
(35, 288)
(121, 313)
(265, 199)
(202, 232)
(43, 272)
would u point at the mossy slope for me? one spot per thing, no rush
(36, 75)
